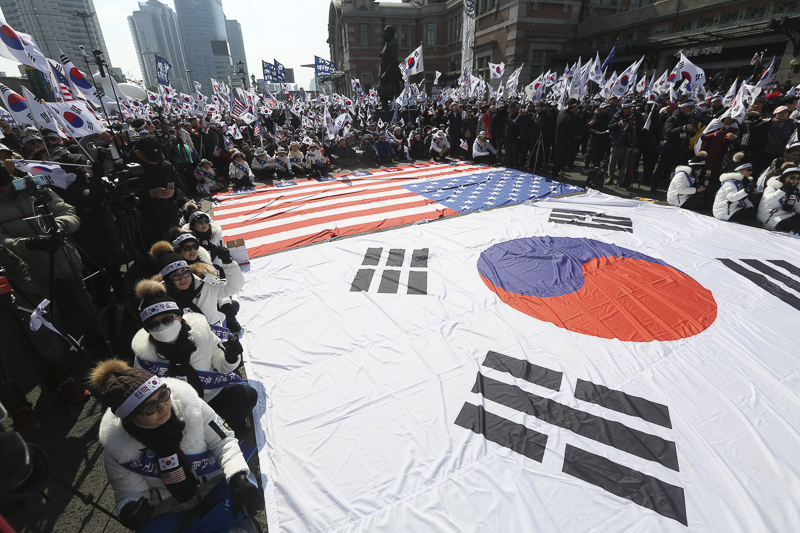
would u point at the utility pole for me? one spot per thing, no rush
(85, 15)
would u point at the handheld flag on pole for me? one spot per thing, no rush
(16, 105)
(280, 72)
(323, 67)
(269, 71)
(610, 57)
(162, 70)
(496, 70)
(20, 47)
(413, 63)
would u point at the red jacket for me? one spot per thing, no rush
(715, 144)
(486, 120)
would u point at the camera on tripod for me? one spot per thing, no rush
(124, 184)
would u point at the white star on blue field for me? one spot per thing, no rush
(484, 190)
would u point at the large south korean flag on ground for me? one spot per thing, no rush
(578, 364)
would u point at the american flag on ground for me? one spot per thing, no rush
(294, 213)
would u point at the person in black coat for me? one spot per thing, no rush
(498, 130)
(599, 137)
(512, 137)
(524, 123)
(568, 127)
(158, 199)
(454, 124)
(678, 130)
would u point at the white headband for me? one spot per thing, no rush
(138, 396)
(183, 237)
(744, 167)
(155, 309)
(172, 267)
(30, 138)
(197, 214)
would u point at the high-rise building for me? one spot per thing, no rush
(73, 23)
(205, 40)
(236, 45)
(154, 29)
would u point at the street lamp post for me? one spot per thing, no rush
(189, 79)
(85, 15)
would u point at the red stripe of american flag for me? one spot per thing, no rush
(173, 476)
(271, 219)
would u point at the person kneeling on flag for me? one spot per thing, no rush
(384, 150)
(683, 191)
(316, 161)
(779, 205)
(440, 148)
(240, 173)
(483, 151)
(171, 461)
(731, 202)
(182, 345)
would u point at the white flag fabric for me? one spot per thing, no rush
(589, 360)
(687, 70)
(513, 80)
(436, 79)
(766, 76)
(496, 70)
(52, 172)
(16, 105)
(76, 118)
(20, 47)
(78, 81)
(726, 101)
(595, 73)
(413, 63)
(41, 115)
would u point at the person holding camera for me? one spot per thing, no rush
(779, 205)
(170, 459)
(684, 191)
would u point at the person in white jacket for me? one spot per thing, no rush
(731, 202)
(208, 232)
(483, 151)
(182, 345)
(440, 147)
(779, 206)
(282, 164)
(683, 191)
(316, 162)
(167, 455)
(240, 173)
(262, 165)
(197, 288)
(296, 158)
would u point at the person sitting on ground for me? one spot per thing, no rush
(367, 155)
(731, 202)
(343, 154)
(197, 288)
(283, 167)
(153, 433)
(187, 245)
(416, 149)
(440, 148)
(182, 345)
(241, 175)
(296, 158)
(683, 191)
(317, 162)
(262, 165)
(779, 206)
(207, 179)
(483, 151)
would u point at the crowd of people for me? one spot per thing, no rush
(122, 227)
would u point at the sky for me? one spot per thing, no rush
(292, 32)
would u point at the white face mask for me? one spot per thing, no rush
(168, 334)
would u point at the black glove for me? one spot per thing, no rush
(233, 349)
(224, 255)
(134, 515)
(245, 496)
(42, 243)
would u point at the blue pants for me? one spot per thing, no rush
(217, 517)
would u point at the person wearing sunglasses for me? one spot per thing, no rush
(197, 287)
(186, 244)
(208, 232)
(181, 344)
(171, 461)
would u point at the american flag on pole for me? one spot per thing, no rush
(290, 214)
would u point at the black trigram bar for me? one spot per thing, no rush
(390, 281)
(419, 258)
(615, 400)
(362, 280)
(511, 435)
(372, 257)
(598, 220)
(538, 375)
(396, 256)
(649, 492)
(762, 281)
(418, 282)
(608, 432)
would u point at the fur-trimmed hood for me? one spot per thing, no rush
(730, 176)
(775, 182)
(186, 406)
(684, 168)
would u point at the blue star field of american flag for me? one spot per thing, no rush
(484, 190)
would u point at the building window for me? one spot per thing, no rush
(364, 34)
(454, 29)
(733, 16)
(405, 36)
(641, 35)
(486, 5)
(430, 34)
(367, 78)
(705, 22)
(606, 42)
(483, 68)
(784, 7)
(755, 12)
(628, 37)
(605, 2)
(642, 3)
(685, 25)
(660, 30)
